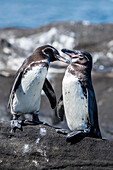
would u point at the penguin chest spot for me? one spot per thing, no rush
(75, 103)
(28, 95)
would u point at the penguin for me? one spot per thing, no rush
(25, 96)
(78, 101)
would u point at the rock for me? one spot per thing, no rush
(32, 149)
(103, 91)
(16, 43)
(40, 147)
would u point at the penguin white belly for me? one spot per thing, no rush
(75, 103)
(28, 95)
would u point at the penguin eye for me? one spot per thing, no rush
(47, 51)
(81, 57)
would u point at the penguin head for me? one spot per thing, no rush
(79, 57)
(51, 54)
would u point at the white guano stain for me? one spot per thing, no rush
(26, 148)
(43, 132)
(43, 153)
(37, 141)
(36, 163)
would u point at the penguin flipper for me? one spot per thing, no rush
(48, 89)
(60, 108)
(93, 113)
(17, 81)
(14, 87)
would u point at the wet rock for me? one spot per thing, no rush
(20, 150)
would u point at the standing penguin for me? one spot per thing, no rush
(78, 100)
(30, 79)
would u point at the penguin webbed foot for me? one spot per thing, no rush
(36, 121)
(75, 136)
(62, 131)
(16, 124)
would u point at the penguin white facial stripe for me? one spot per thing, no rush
(74, 60)
(86, 57)
(43, 51)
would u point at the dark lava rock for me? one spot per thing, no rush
(40, 147)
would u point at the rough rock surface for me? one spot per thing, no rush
(40, 147)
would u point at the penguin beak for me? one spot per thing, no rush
(70, 53)
(62, 59)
